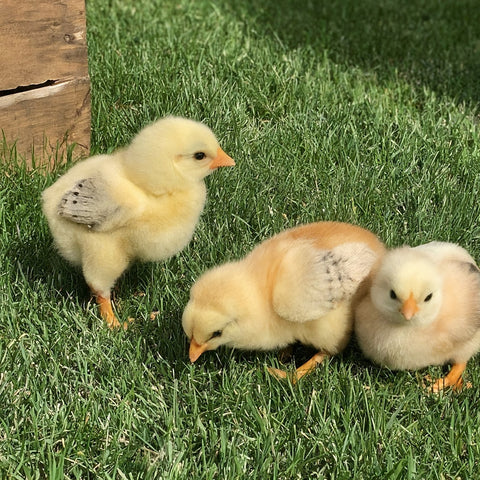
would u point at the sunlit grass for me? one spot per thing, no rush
(331, 112)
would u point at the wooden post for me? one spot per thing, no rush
(44, 82)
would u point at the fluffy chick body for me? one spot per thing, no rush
(139, 203)
(296, 286)
(423, 309)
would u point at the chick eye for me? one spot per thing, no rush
(393, 295)
(428, 297)
(217, 333)
(199, 155)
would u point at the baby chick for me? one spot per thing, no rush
(296, 286)
(423, 309)
(140, 203)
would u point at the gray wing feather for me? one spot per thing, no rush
(313, 282)
(346, 266)
(88, 203)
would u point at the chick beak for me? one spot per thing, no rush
(409, 307)
(196, 350)
(221, 160)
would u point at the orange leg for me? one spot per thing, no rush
(452, 379)
(310, 365)
(106, 312)
(301, 371)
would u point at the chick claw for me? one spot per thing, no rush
(282, 375)
(107, 314)
(277, 373)
(452, 379)
(301, 371)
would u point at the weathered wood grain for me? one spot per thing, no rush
(41, 40)
(44, 83)
(48, 119)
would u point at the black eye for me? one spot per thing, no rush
(428, 297)
(217, 333)
(199, 156)
(393, 295)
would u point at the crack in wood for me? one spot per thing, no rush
(27, 88)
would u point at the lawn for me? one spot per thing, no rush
(359, 111)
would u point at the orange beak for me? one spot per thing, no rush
(196, 350)
(221, 160)
(409, 307)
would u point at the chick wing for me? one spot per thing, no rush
(89, 203)
(310, 282)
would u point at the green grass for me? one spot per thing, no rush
(364, 112)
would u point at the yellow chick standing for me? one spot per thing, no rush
(423, 309)
(297, 286)
(140, 203)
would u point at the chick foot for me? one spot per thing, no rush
(301, 371)
(107, 314)
(452, 379)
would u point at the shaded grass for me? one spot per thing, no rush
(428, 43)
(329, 121)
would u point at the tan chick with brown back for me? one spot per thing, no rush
(298, 286)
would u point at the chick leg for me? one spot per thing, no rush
(452, 379)
(310, 365)
(106, 311)
(101, 268)
(301, 371)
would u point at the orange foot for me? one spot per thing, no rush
(301, 371)
(452, 379)
(107, 314)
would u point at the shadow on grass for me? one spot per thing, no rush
(429, 43)
(34, 261)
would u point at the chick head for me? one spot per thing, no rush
(407, 288)
(172, 153)
(219, 311)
